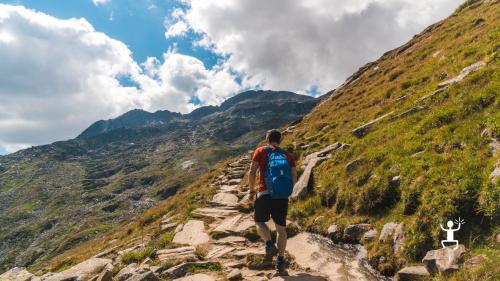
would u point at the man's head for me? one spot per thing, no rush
(273, 137)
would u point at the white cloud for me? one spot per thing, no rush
(59, 76)
(98, 2)
(177, 29)
(294, 45)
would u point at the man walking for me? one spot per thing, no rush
(277, 176)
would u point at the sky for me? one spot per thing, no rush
(66, 64)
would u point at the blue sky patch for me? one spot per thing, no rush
(138, 24)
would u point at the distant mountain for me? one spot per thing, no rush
(133, 119)
(55, 196)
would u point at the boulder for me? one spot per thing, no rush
(196, 277)
(387, 231)
(354, 232)
(234, 275)
(16, 274)
(192, 233)
(399, 238)
(370, 235)
(412, 273)
(443, 261)
(83, 270)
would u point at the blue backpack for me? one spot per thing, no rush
(278, 174)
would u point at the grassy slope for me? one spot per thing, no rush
(449, 179)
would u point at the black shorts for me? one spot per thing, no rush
(267, 207)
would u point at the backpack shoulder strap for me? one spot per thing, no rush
(268, 149)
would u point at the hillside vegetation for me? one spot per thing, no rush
(428, 158)
(444, 147)
(56, 196)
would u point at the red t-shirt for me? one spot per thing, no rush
(261, 156)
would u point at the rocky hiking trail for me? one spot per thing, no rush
(220, 243)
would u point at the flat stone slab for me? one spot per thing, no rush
(443, 261)
(225, 199)
(231, 240)
(240, 253)
(192, 233)
(16, 274)
(299, 277)
(196, 277)
(214, 212)
(228, 189)
(82, 270)
(176, 253)
(234, 182)
(412, 273)
(320, 255)
(219, 251)
(234, 225)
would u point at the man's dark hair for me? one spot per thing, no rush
(273, 136)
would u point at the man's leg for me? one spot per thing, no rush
(263, 231)
(262, 215)
(281, 239)
(278, 213)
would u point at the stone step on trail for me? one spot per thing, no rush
(231, 241)
(81, 271)
(234, 182)
(196, 277)
(191, 233)
(233, 225)
(176, 253)
(225, 199)
(213, 212)
(219, 251)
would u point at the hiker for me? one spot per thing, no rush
(277, 176)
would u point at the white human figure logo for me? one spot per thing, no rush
(450, 232)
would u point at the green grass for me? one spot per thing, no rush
(449, 177)
(137, 256)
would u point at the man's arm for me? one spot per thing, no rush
(251, 180)
(294, 175)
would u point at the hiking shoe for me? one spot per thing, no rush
(281, 268)
(271, 251)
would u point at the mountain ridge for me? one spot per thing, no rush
(104, 177)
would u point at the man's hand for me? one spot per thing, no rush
(251, 180)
